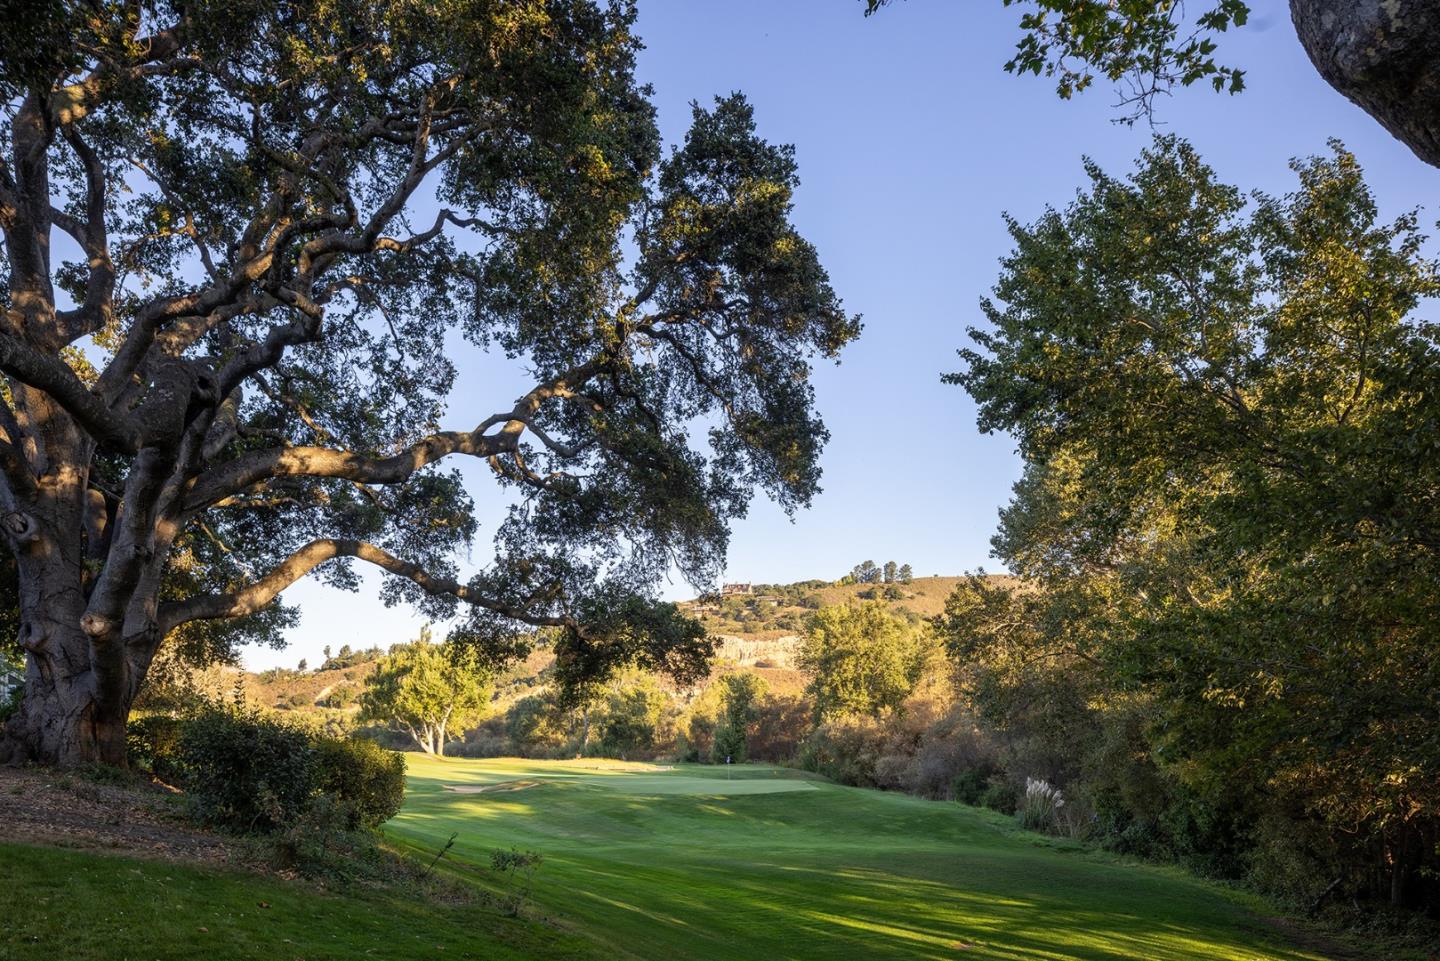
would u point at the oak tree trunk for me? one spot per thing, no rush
(75, 705)
(79, 683)
(61, 720)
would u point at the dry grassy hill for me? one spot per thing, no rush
(777, 612)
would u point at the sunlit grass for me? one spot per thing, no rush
(654, 862)
(692, 862)
(66, 905)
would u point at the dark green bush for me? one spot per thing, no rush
(1000, 795)
(970, 785)
(341, 695)
(244, 770)
(366, 780)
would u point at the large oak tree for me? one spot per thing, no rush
(243, 240)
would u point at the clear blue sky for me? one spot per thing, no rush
(911, 142)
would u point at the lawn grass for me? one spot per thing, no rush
(70, 905)
(653, 863)
(687, 863)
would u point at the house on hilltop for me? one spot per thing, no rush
(733, 590)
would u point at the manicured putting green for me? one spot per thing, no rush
(691, 862)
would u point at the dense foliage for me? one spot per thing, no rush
(1228, 516)
(365, 781)
(740, 702)
(861, 658)
(273, 224)
(245, 770)
(250, 771)
(427, 690)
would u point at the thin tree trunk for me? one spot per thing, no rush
(444, 723)
(1399, 873)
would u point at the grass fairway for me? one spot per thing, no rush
(655, 863)
(66, 905)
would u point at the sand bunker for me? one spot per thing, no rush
(490, 788)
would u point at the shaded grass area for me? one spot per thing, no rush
(67, 905)
(684, 863)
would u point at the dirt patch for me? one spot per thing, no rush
(1314, 941)
(39, 806)
(491, 788)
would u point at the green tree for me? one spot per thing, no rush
(1229, 495)
(303, 665)
(538, 723)
(279, 211)
(635, 712)
(906, 575)
(1382, 56)
(740, 696)
(890, 572)
(861, 659)
(426, 690)
(865, 573)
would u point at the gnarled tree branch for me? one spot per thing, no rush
(252, 598)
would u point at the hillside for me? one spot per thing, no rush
(758, 631)
(774, 611)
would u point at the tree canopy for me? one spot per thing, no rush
(861, 659)
(242, 242)
(427, 690)
(1226, 409)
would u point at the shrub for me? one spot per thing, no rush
(781, 724)
(1040, 807)
(154, 746)
(341, 695)
(245, 771)
(517, 868)
(972, 784)
(845, 750)
(1000, 795)
(364, 779)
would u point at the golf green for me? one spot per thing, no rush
(695, 862)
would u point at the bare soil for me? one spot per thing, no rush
(43, 806)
